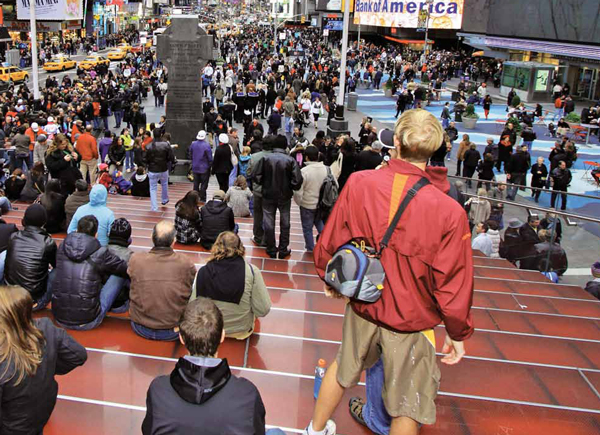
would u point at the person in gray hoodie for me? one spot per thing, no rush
(80, 197)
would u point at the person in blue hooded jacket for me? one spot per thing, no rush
(97, 208)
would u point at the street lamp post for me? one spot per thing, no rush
(339, 125)
(34, 51)
(275, 27)
(429, 3)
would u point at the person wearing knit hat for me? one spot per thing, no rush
(119, 239)
(35, 216)
(29, 254)
(120, 233)
(216, 216)
(593, 287)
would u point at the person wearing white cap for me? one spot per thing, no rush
(33, 132)
(201, 158)
(51, 128)
(223, 162)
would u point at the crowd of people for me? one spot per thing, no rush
(64, 157)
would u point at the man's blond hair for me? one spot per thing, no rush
(418, 134)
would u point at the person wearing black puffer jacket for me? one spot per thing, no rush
(159, 155)
(216, 216)
(80, 299)
(29, 253)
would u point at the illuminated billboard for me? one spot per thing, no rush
(444, 14)
(51, 9)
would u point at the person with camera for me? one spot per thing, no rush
(428, 278)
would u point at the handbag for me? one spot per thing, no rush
(234, 159)
(336, 167)
(355, 270)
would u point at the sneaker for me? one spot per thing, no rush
(165, 203)
(330, 428)
(356, 405)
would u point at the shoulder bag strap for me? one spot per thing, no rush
(407, 199)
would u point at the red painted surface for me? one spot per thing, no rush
(302, 311)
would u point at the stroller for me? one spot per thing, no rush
(300, 119)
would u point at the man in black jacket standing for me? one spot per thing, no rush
(560, 178)
(201, 395)
(158, 157)
(518, 165)
(29, 254)
(80, 298)
(279, 175)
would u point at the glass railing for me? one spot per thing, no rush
(527, 228)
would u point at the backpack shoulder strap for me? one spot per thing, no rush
(412, 192)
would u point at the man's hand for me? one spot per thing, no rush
(331, 293)
(454, 351)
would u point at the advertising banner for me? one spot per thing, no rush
(443, 14)
(51, 9)
(333, 5)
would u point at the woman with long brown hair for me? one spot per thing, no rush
(188, 224)
(236, 286)
(31, 353)
(61, 161)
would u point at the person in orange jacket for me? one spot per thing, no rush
(33, 132)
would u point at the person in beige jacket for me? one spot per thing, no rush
(307, 197)
(236, 286)
(460, 155)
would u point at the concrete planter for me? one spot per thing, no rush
(469, 123)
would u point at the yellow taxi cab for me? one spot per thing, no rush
(116, 54)
(12, 73)
(92, 61)
(124, 47)
(59, 64)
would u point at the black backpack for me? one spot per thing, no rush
(328, 195)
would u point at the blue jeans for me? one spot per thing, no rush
(2, 261)
(269, 210)
(43, 301)
(108, 294)
(307, 217)
(154, 334)
(445, 123)
(233, 175)
(5, 205)
(128, 159)
(118, 118)
(275, 432)
(164, 182)
(529, 144)
(374, 412)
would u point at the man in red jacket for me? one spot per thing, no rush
(88, 148)
(429, 279)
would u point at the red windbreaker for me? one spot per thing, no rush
(428, 263)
